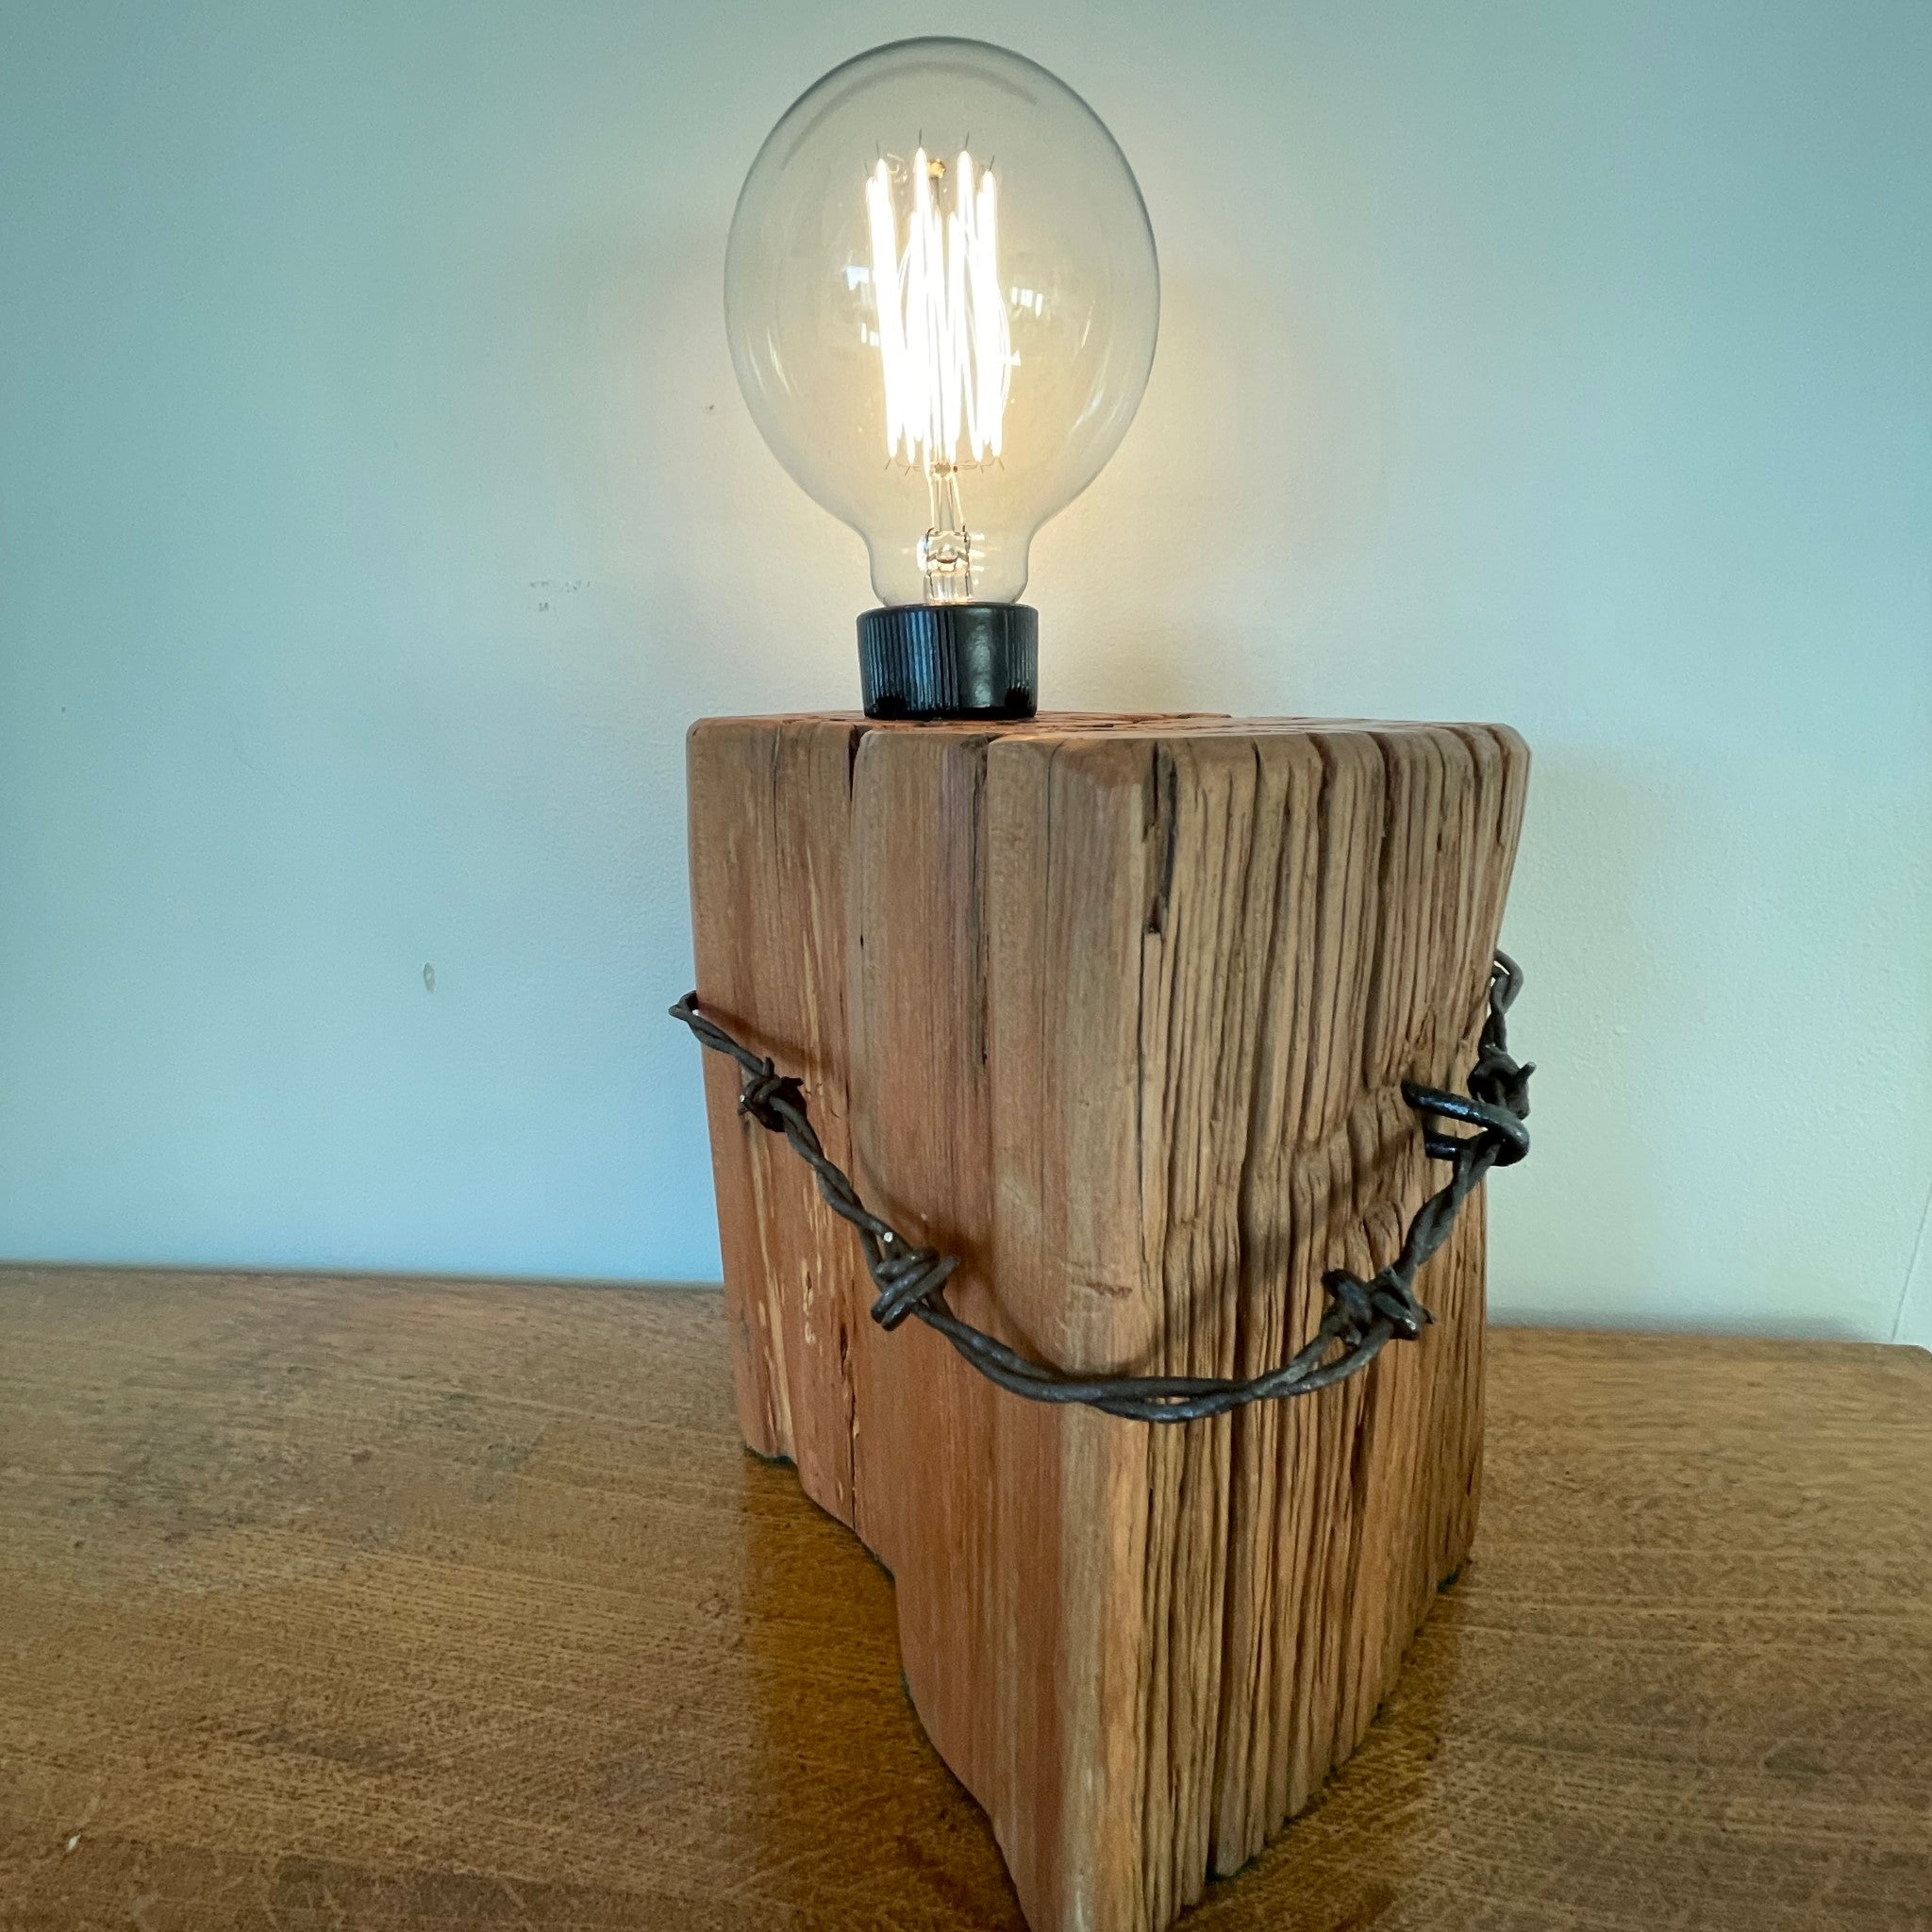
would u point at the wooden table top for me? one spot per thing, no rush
(383, 1603)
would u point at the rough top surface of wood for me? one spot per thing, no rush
(1079, 724)
(391, 1605)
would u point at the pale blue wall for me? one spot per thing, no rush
(376, 508)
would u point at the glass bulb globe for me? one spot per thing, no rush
(942, 296)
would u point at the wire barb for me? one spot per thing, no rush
(1363, 1317)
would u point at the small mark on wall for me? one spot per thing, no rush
(557, 587)
(429, 979)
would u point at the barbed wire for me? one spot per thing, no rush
(1363, 1317)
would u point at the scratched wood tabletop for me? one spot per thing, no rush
(386, 1603)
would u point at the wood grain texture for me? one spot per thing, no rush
(401, 1605)
(768, 864)
(1128, 1008)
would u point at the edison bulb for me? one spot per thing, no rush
(942, 296)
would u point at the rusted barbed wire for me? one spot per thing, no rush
(1363, 1317)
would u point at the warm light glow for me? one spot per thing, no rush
(944, 349)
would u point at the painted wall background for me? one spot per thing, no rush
(376, 508)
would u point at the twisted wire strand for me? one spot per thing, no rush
(1362, 1317)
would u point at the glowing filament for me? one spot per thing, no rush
(944, 348)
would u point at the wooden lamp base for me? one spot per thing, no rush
(1118, 1009)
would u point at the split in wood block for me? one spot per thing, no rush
(1118, 1009)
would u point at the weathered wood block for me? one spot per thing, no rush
(1118, 1009)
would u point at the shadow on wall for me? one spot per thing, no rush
(1157, 583)
(1642, 1169)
